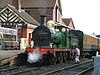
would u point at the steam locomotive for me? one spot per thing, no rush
(55, 42)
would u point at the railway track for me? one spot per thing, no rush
(88, 71)
(43, 70)
(9, 70)
(4, 66)
(77, 69)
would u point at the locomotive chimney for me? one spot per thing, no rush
(43, 20)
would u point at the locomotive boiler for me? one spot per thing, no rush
(47, 35)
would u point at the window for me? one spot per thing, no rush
(57, 15)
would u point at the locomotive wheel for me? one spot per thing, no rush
(54, 60)
(65, 57)
(60, 58)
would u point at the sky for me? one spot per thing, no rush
(85, 14)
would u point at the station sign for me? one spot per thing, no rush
(8, 31)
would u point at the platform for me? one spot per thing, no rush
(8, 55)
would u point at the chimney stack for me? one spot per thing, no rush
(17, 4)
(43, 20)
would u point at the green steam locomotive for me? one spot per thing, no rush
(58, 40)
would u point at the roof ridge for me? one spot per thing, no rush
(23, 15)
(10, 6)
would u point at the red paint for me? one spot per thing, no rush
(45, 50)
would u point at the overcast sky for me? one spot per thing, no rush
(85, 14)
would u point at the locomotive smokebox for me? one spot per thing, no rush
(43, 20)
(41, 35)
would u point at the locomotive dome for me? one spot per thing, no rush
(50, 24)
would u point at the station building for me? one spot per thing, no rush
(19, 21)
(24, 16)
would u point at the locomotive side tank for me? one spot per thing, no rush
(56, 35)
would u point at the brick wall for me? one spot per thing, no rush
(15, 3)
(35, 13)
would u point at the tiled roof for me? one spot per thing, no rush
(30, 3)
(3, 3)
(38, 3)
(27, 18)
(67, 20)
